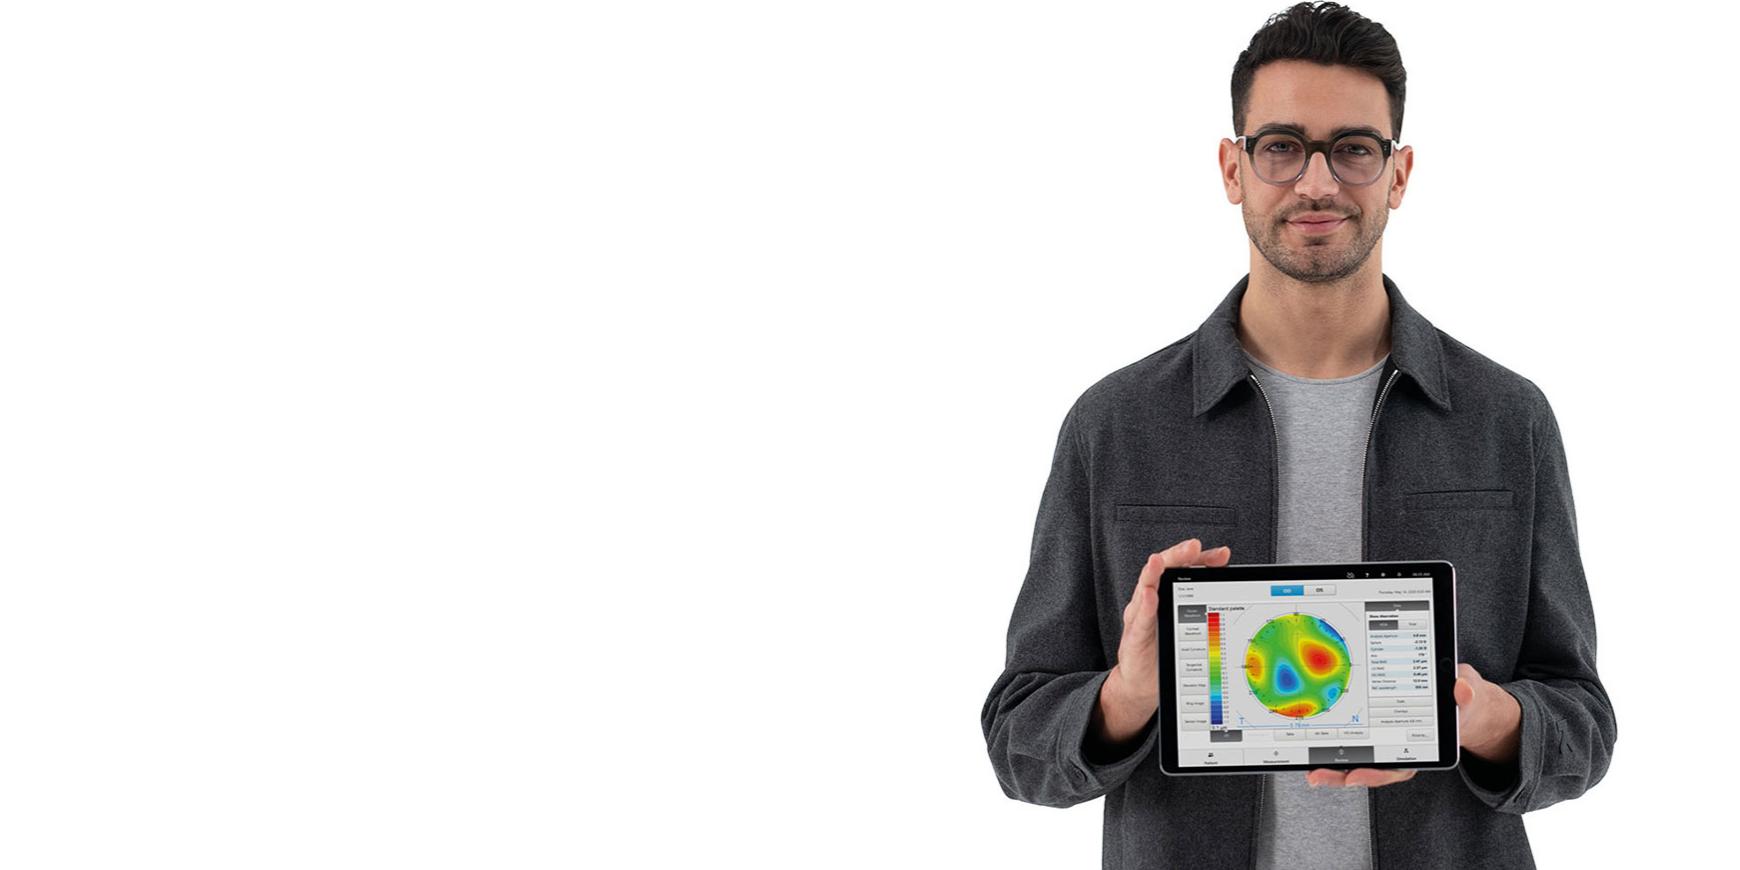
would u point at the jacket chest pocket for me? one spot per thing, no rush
(1487, 537)
(1465, 523)
(1190, 515)
(1458, 500)
(1138, 530)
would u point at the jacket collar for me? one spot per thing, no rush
(1219, 362)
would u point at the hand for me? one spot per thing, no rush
(1131, 694)
(1366, 776)
(1488, 718)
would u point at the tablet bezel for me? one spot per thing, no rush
(1444, 632)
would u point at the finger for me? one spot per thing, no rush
(1180, 555)
(1372, 777)
(1176, 556)
(1146, 596)
(1150, 575)
(1386, 777)
(1215, 558)
(1147, 617)
(1324, 777)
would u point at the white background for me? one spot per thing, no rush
(609, 435)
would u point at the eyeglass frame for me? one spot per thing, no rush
(1312, 146)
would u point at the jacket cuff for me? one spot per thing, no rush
(1501, 786)
(1084, 773)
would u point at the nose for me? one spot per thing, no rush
(1318, 181)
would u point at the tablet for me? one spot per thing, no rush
(1301, 666)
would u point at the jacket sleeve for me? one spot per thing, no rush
(1568, 726)
(1036, 717)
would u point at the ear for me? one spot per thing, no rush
(1404, 167)
(1229, 171)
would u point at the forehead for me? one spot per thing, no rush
(1320, 98)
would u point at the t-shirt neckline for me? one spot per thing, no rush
(1281, 374)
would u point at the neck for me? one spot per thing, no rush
(1331, 329)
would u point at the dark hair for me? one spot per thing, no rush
(1325, 33)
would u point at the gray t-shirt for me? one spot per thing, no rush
(1322, 424)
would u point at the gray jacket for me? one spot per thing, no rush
(1464, 462)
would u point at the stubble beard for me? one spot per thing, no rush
(1315, 259)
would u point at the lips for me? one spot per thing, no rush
(1318, 226)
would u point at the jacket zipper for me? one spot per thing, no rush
(1275, 475)
(1364, 492)
(1275, 555)
(1365, 555)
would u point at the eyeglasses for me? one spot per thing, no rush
(1354, 158)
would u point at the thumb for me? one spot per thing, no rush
(1464, 692)
(1147, 616)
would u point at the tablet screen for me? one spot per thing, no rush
(1305, 671)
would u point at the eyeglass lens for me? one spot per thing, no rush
(1357, 159)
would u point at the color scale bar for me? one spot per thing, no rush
(1214, 668)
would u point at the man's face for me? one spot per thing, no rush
(1320, 99)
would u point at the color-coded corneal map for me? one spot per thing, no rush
(1298, 665)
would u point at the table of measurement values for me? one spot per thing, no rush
(1399, 658)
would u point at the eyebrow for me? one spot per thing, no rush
(1300, 129)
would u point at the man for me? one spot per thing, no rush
(1314, 416)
